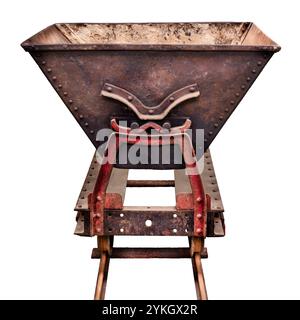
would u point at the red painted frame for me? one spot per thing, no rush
(122, 135)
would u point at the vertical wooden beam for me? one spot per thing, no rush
(199, 275)
(105, 248)
(196, 246)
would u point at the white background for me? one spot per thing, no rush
(45, 156)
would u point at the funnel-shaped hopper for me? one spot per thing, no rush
(151, 62)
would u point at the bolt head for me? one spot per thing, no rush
(134, 125)
(171, 99)
(129, 98)
(198, 230)
(109, 89)
(151, 111)
(167, 125)
(198, 199)
(199, 215)
(192, 89)
(98, 198)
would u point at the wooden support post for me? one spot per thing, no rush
(196, 245)
(105, 247)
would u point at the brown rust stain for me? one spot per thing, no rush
(162, 33)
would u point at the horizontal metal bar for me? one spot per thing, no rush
(151, 221)
(147, 253)
(150, 183)
(148, 209)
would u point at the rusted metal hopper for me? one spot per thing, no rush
(169, 77)
(152, 67)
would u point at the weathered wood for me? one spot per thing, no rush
(102, 277)
(199, 277)
(104, 249)
(150, 183)
(144, 253)
(196, 246)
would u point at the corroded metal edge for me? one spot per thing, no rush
(215, 218)
(210, 184)
(30, 45)
(147, 47)
(214, 124)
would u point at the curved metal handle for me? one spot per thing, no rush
(126, 130)
(150, 113)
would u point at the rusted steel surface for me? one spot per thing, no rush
(184, 197)
(141, 36)
(115, 193)
(164, 221)
(184, 200)
(150, 112)
(198, 193)
(169, 77)
(210, 182)
(151, 73)
(96, 200)
(178, 136)
(220, 94)
(144, 253)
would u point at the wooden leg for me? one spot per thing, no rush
(104, 245)
(102, 277)
(199, 277)
(196, 248)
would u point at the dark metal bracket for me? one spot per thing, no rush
(150, 113)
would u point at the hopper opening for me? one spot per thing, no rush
(185, 34)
